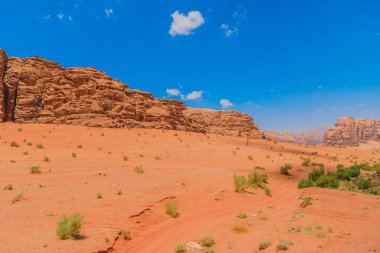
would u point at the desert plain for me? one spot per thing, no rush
(92, 172)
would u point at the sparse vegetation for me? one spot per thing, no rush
(126, 234)
(139, 169)
(306, 202)
(242, 215)
(264, 244)
(69, 227)
(39, 145)
(250, 157)
(8, 187)
(35, 170)
(284, 170)
(46, 159)
(74, 155)
(240, 229)
(17, 197)
(349, 176)
(125, 158)
(283, 245)
(172, 209)
(254, 180)
(14, 144)
(99, 195)
(306, 162)
(180, 248)
(207, 242)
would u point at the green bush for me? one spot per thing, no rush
(239, 183)
(69, 227)
(207, 242)
(364, 184)
(305, 183)
(327, 181)
(316, 173)
(284, 170)
(242, 215)
(172, 209)
(180, 248)
(306, 162)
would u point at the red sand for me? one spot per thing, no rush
(195, 169)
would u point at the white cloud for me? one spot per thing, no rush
(239, 14)
(184, 25)
(109, 12)
(173, 92)
(196, 94)
(229, 31)
(225, 103)
(193, 95)
(60, 16)
(71, 19)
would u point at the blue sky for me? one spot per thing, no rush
(291, 64)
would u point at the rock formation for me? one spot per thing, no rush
(310, 137)
(348, 131)
(35, 90)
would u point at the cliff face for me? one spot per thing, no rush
(311, 137)
(35, 90)
(351, 132)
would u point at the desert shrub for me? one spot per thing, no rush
(69, 227)
(46, 159)
(255, 179)
(284, 170)
(250, 157)
(8, 187)
(239, 183)
(305, 183)
(125, 158)
(259, 168)
(208, 250)
(242, 215)
(240, 229)
(139, 169)
(306, 162)
(207, 242)
(342, 174)
(264, 245)
(316, 173)
(39, 145)
(35, 170)
(306, 202)
(172, 209)
(126, 234)
(74, 155)
(283, 245)
(14, 144)
(372, 191)
(364, 184)
(99, 195)
(327, 181)
(353, 171)
(17, 197)
(180, 248)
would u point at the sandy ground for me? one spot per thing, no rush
(195, 170)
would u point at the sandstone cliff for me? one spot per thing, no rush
(351, 132)
(35, 90)
(311, 137)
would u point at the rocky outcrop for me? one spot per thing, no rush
(3, 64)
(309, 137)
(35, 90)
(348, 131)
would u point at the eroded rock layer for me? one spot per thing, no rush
(35, 90)
(348, 131)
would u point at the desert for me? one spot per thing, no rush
(195, 170)
(235, 126)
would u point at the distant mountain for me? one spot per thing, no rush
(348, 131)
(312, 136)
